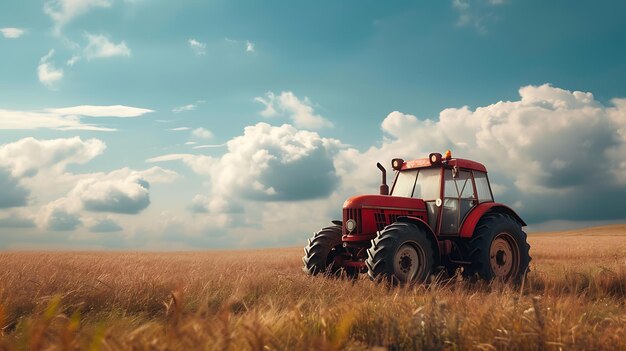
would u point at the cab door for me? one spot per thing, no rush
(459, 199)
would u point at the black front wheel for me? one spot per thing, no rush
(324, 254)
(401, 254)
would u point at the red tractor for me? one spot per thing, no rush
(440, 214)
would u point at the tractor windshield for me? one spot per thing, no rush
(418, 183)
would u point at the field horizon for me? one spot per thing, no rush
(573, 298)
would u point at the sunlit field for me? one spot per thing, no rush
(574, 298)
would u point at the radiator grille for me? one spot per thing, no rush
(379, 218)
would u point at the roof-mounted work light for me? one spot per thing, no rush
(397, 163)
(435, 158)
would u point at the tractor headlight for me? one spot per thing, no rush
(350, 225)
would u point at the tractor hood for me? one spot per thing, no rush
(384, 201)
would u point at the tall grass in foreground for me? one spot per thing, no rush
(261, 300)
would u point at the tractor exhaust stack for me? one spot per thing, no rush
(384, 188)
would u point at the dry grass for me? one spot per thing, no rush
(574, 298)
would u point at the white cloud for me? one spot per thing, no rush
(27, 156)
(180, 109)
(22, 161)
(12, 33)
(63, 11)
(179, 129)
(122, 191)
(72, 61)
(198, 47)
(250, 46)
(67, 118)
(476, 13)
(117, 192)
(169, 157)
(119, 111)
(47, 73)
(99, 46)
(268, 163)
(208, 146)
(202, 133)
(299, 111)
(188, 107)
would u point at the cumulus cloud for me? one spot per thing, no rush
(63, 11)
(27, 156)
(99, 46)
(202, 133)
(67, 118)
(299, 111)
(12, 33)
(266, 163)
(122, 191)
(199, 48)
(47, 73)
(547, 152)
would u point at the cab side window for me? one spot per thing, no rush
(482, 187)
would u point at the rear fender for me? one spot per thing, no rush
(472, 218)
(430, 234)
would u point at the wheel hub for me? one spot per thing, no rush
(504, 256)
(407, 263)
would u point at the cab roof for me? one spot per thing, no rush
(459, 162)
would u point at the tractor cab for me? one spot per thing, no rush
(450, 188)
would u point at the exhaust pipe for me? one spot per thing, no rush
(384, 188)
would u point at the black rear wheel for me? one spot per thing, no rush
(401, 254)
(498, 249)
(324, 254)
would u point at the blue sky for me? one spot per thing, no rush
(148, 124)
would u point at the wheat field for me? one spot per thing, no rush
(573, 299)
